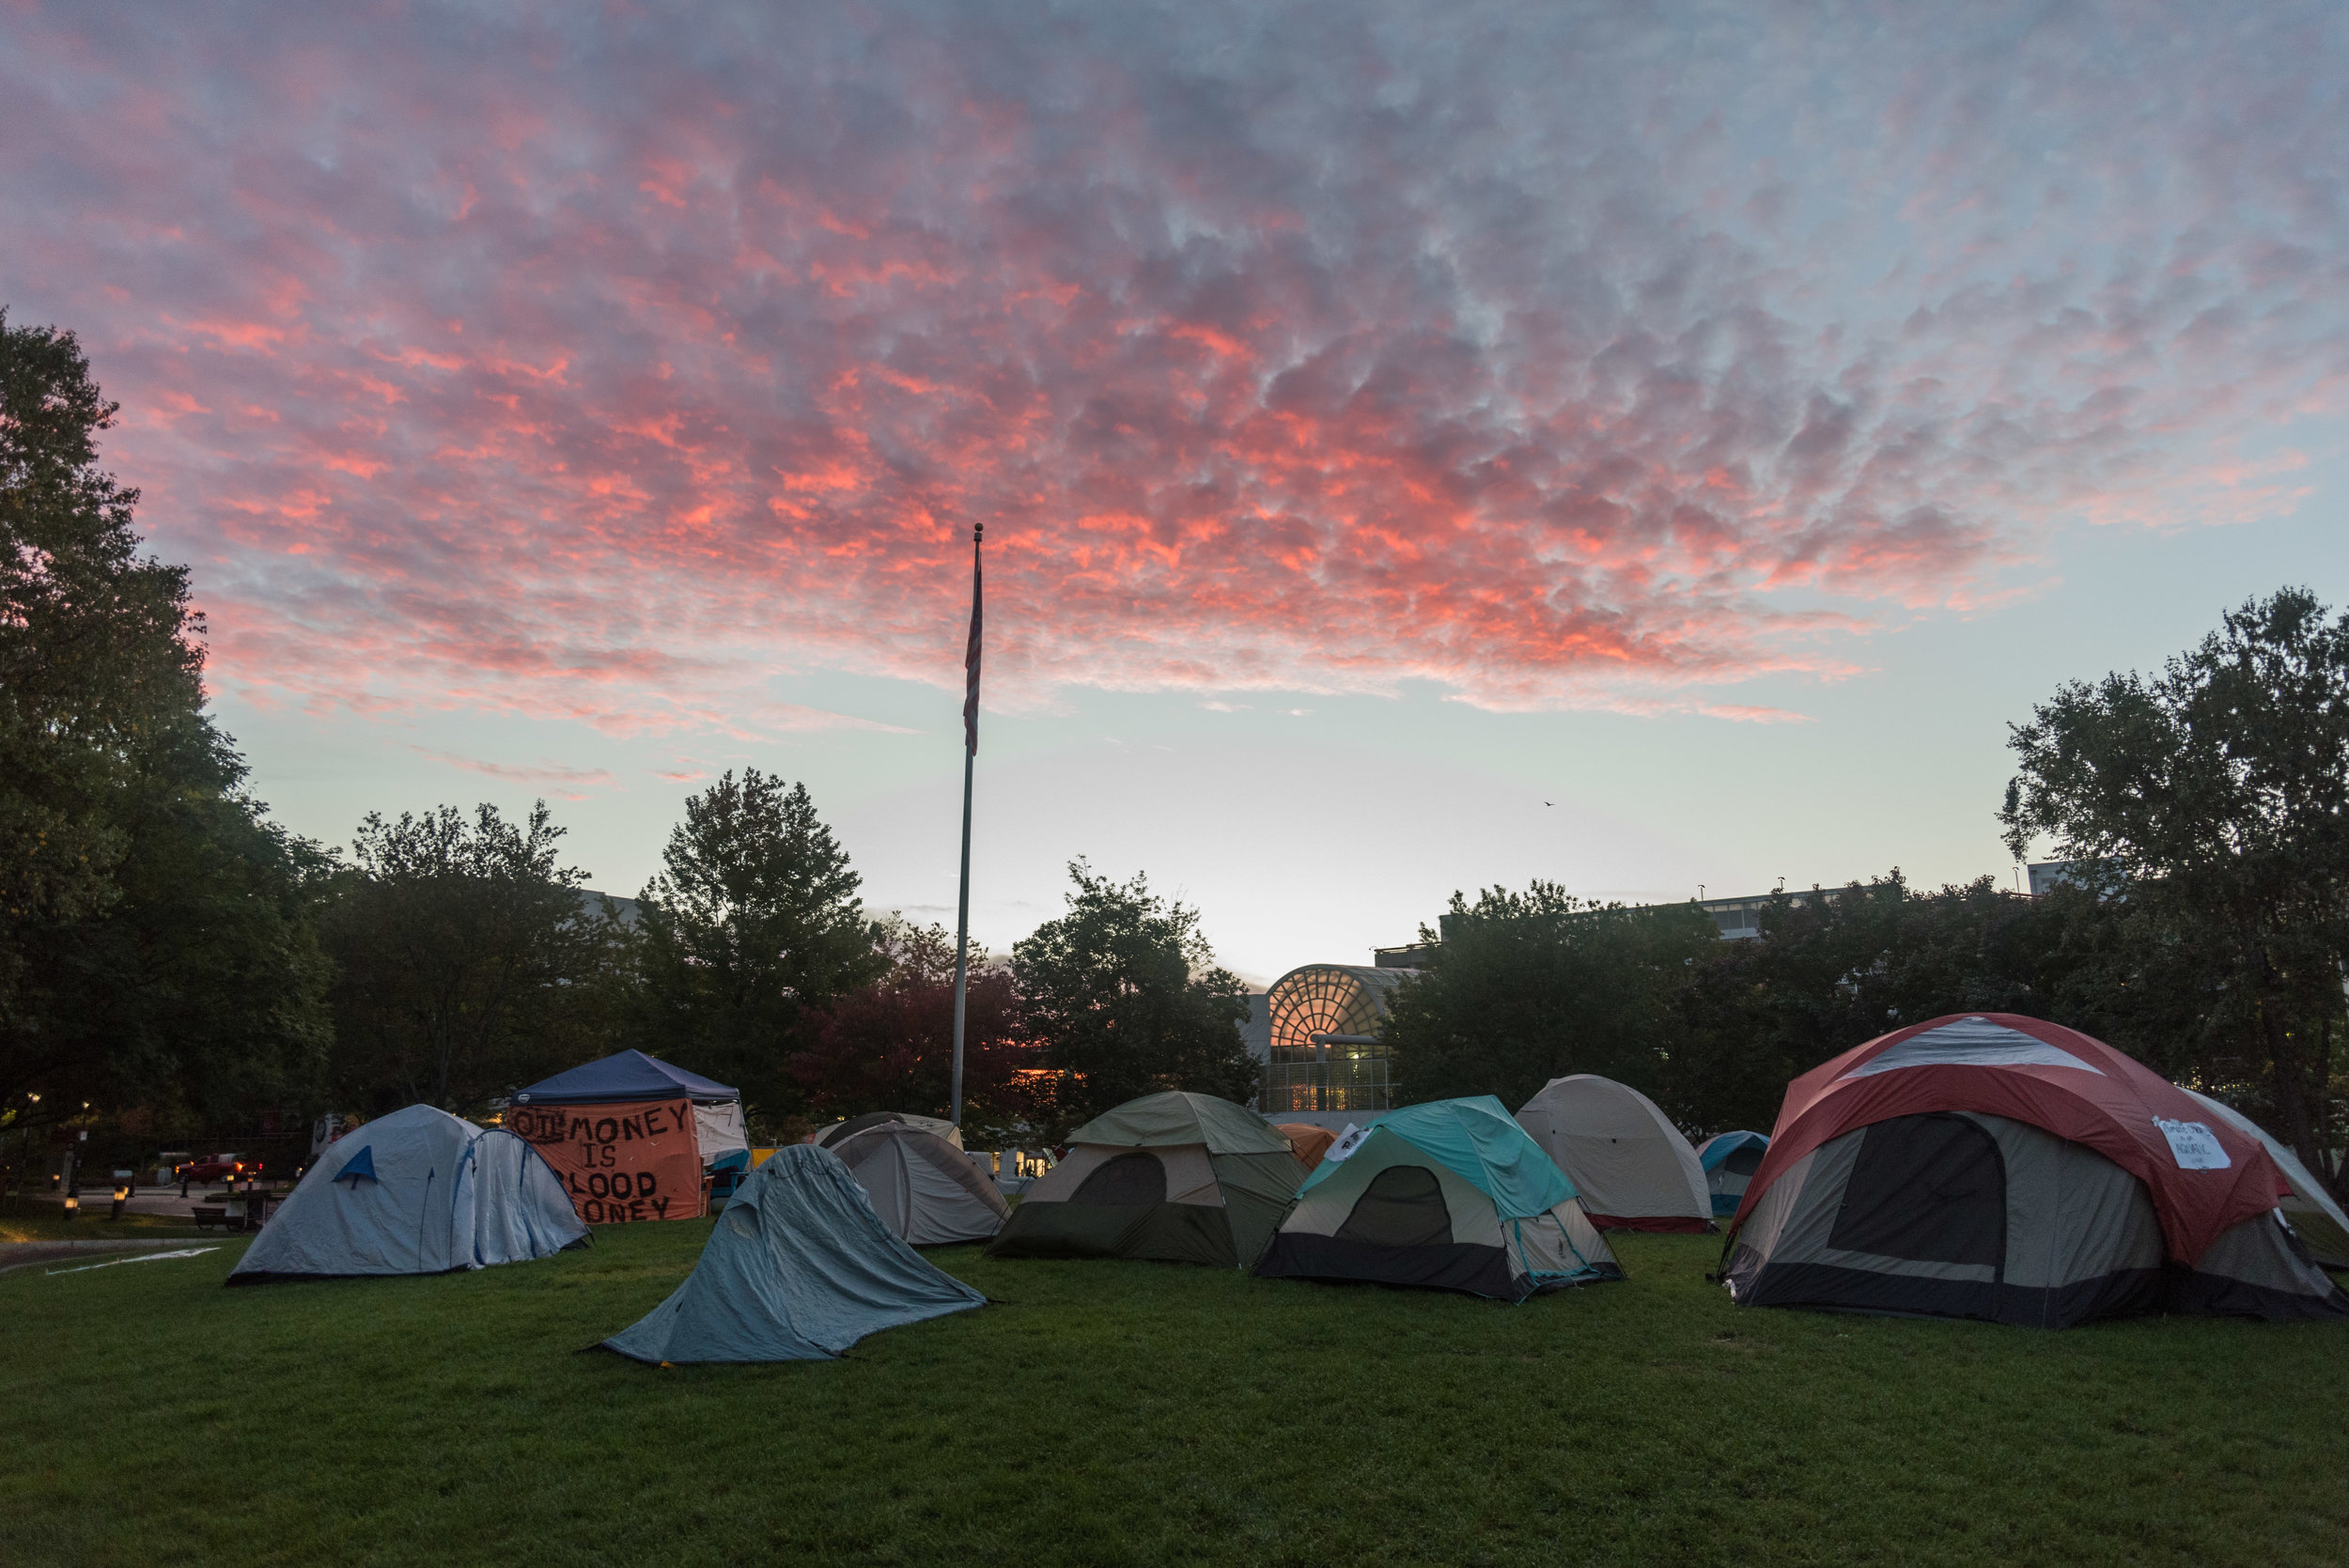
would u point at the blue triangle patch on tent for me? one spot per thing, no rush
(358, 1165)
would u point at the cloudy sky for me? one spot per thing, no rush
(1420, 446)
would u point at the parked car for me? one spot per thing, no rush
(218, 1168)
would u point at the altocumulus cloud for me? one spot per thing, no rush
(600, 361)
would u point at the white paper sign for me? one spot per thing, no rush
(1348, 1141)
(2194, 1146)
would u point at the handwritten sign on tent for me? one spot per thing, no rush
(620, 1163)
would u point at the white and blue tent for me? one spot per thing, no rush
(1728, 1160)
(416, 1192)
(1452, 1195)
(798, 1269)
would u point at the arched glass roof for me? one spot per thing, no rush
(1325, 1055)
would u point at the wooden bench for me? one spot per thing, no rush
(209, 1215)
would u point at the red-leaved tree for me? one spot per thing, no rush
(889, 1045)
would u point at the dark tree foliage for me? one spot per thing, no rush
(1124, 998)
(1527, 987)
(469, 964)
(2215, 797)
(155, 947)
(1836, 968)
(753, 920)
(889, 1045)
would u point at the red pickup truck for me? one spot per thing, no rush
(218, 1168)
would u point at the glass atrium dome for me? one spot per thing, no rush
(1326, 1054)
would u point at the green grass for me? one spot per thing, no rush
(1135, 1413)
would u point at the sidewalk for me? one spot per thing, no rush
(163, 1202)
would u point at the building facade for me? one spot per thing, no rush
(1324, 1058)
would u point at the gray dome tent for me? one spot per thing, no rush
(416, 1192)
(798, 1269)
(924, 1190)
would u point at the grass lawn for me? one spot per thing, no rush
(1116, 1413)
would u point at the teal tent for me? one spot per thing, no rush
(1450, 1195)
(1728, 1160)
(798, 1269)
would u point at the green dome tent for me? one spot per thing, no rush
(1177, 1177)
(798, 1269)
(1450, 1195)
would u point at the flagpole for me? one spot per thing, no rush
(970, 757)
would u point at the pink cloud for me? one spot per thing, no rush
(560, 366)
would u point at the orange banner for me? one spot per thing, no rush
(619, 1162)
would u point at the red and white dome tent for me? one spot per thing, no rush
(1992, 1166)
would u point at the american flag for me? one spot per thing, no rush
(970, 655)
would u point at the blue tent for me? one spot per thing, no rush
(630, 1074)
(416, 1192)
(798, 1269)
(1449, 1195)
(1730, 1160)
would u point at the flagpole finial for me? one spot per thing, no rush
(978, 532)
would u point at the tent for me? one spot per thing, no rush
(1309, 1143)
(824, 1138)
(1728, 1160)
(1629, 1163)
(416, 1192)
(924, 1190)
(630, 1135)
(798, 1269)
(1450, 1195)
(1992, 1166)
(1179, 1178)
(2322, 1227)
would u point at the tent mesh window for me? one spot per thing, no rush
(1129, 1180)
(1927, 1189)
(1403, 1206)
(1326, 1054)
(1743, 1162)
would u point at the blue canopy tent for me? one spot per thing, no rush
(798, 1269)
(629, 1075)
(1728, 1160)
(1452, 1195)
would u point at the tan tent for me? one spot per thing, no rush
(1629, 1163)
(924, 1189)
(1311, 1143)
(2321, 1225)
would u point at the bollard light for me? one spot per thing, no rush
(72, 1205)
(122, 1196)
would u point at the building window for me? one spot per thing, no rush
(1325, 1051)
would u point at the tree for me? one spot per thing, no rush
(2215, 797)
(155, 944)
(1123, 996)
(889, 1045)
(1527, 986)
(753, 920)
(467, 955)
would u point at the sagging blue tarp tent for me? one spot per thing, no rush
(799, 1267)
(1452, 1195)
(629, 1075)
(416, 1192)
(1728, 1160)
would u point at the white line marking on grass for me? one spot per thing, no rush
(143, 1257)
